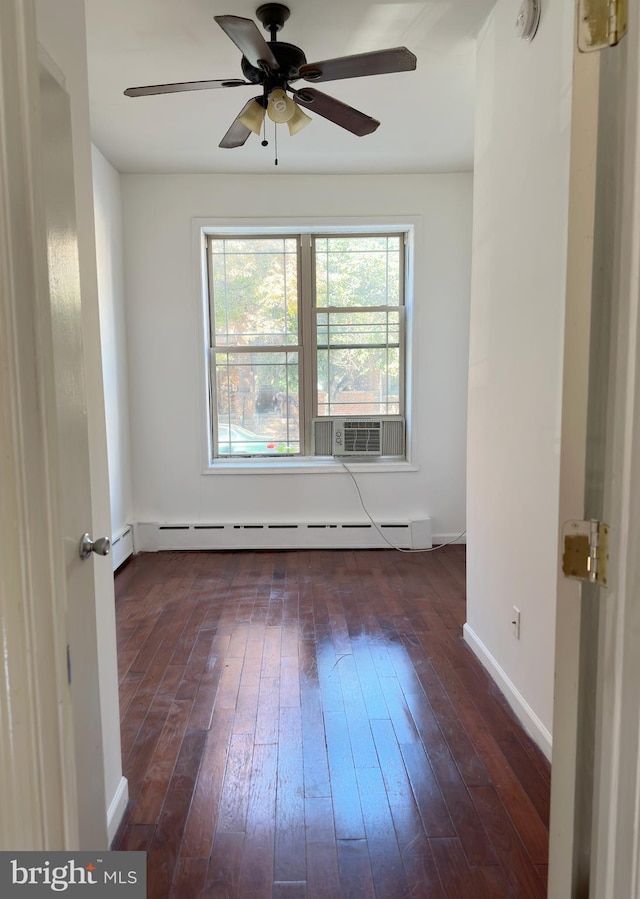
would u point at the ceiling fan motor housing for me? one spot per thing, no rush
(289, 57)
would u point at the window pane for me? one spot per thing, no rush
(358, 271)
(358, 362)
(255, 291)
(257, 402)
(358, 382)
(358, 328)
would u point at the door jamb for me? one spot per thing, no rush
(582, 177)
(616, 834)
(608, 862)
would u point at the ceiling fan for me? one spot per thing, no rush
(274, 66)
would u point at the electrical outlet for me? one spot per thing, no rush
(515, 622)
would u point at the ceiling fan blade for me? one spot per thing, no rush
(179, 86)
(238, 133)
(245, 35)
(378, 62)
(336, 111)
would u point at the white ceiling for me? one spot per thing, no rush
(426, 115)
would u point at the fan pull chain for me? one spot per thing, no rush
(265, 142)
(275, 140)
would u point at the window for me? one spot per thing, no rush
(302, 327)
(357, 319)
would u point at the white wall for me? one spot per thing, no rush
(61, 31)
(515, 375)
(113, 334)
(165, 363)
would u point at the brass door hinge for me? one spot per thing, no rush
(601, 23)
(586, 551)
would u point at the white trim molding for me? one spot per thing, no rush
(117, 808)
(525, 714)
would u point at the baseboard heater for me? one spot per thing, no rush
(121, 546)
(155, 536)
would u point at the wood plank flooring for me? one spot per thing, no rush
(311, 724)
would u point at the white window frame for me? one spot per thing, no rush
(201, 229)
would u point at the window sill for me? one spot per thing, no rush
(307, 465)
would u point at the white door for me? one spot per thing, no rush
(594, 834)
(51, 765)
(73, 453)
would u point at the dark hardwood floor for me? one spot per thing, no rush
(311, 724)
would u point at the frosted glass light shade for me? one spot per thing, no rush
(253, 117)
(280, 108)
(298, 121)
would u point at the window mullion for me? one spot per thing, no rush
(309, 386)
(211, 381)
(212, 328)
(403, 262)
(402, 359)
(251, 348)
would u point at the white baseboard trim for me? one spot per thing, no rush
(525, 714)
(117, 809)
(451, 539)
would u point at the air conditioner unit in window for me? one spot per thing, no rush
(358, 437)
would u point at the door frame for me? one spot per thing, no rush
(595, 798)
(615, 863)
(37, 764)
(573, 441)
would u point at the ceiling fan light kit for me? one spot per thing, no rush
(280, 108)
(274, 65)
(298, 121)
(253, 116)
